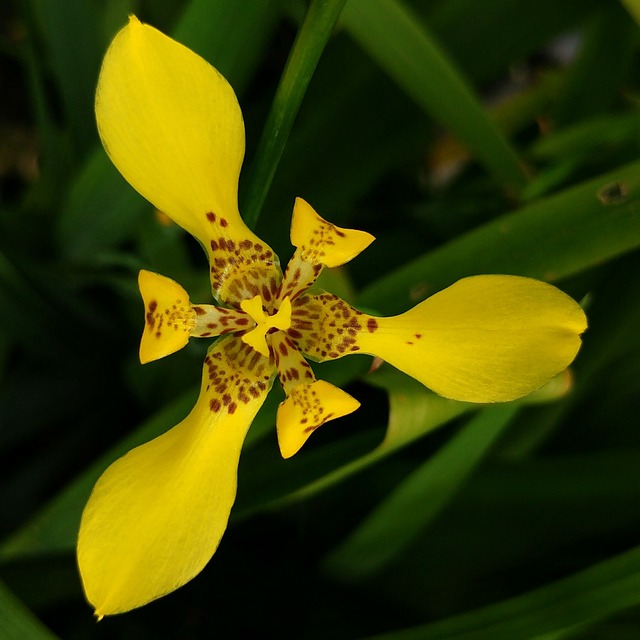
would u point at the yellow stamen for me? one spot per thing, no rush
(280, 320)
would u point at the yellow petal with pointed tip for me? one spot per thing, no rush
(172, 126)
(308, 407)
(322, 242)
(156, 515)
(486, 338)
(169, 318)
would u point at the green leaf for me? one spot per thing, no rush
(604, 61)
(17, 622)
(485, 43)
(404, 48)
(55, 526)
(232, 36)
(310, 42)
(599, 591)
(584, 137)
(70, 33)
(415, 502)
(581, 227)
(101, 210)
(413, 412)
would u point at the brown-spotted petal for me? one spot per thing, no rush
(488, 338)
(172, 126)
(156, 515)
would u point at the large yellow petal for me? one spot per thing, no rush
(156, 516)
(172, 126)
(486, 338)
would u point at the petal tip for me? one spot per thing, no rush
(169, 317)
(306, 409)
(322, 242)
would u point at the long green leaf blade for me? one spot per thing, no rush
(571, 231)
(17, 622)
(303, 59)
(599, 591)
(415, 502)
(404, 48)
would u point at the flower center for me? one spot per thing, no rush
(281, 320)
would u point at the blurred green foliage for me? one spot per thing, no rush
(469, 138)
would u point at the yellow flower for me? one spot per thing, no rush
(172, 126)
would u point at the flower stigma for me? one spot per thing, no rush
(280, 320)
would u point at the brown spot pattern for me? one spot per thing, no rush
(292, 368)
(239, 267)
(325, 327)
(216, 321)
(298, 277)
(175, 316)
(308, 402)
(234, 375)
(322, 236)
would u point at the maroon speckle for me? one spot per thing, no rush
(372, 324)
(211, 217)
(215, 405)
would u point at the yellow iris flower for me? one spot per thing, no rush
(172, 126)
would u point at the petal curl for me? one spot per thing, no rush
(309, 403)
(307, 408)
(156, 515)
(321, 242)
(318, 244)
(169, 318)
(487, 338)
(172, 126)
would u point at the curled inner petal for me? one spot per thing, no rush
(318, 244)
(169, 318)
(306, 409)
(321, 242)
(309, 403)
